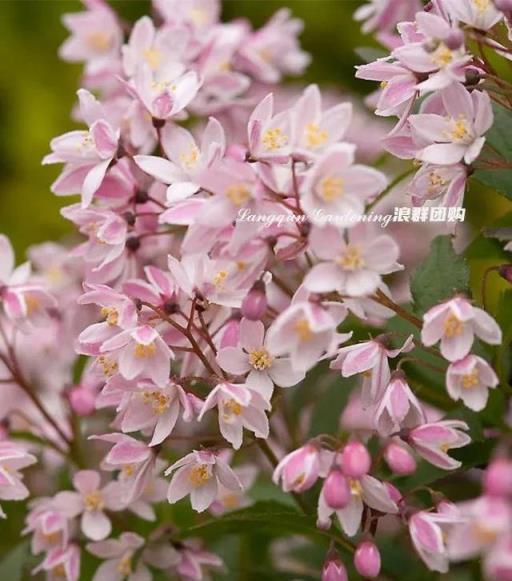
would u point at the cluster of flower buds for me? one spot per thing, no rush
(207, 283)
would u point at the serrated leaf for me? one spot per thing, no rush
(440, 276)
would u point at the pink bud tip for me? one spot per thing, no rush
(399, 459)
(254, 305)
(82, 400)
(334, 570)
(336, 490)
(498, 478)
(355, 460)
(367, 560)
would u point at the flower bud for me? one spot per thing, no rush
(299, 470)
(355, 460)
(334, 569)
(82, 400)
(504, 5)
(498, 477)
(336, 490)
(254, 306)
(400, 460)
(472, 77)
(505, 271)
(367, 560)
(455, 39)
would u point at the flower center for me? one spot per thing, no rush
(231, 408)
(158, 400)
(219, 279)
(153, 57)
(436, 182)
(110, 314)
(238, 194)
(32, 302)
(470, 380)
(199, 475)
(442, 56)
(128, 470)
(482, 5)
(142, 351)
(352, 258)
(99, 41)
(260, 359)
(460, 130)
(303, 330)
(274, 139)
(190, 158)
(315, 136)
(124, 567)
(355, 488)
(94, 501)
(109, 367)
(331, 188)
(452, 326)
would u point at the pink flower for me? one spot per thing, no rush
(238, 407)
(200, 474)
(428, 532)
(334, 569)
(367, 559)
(432, 442)
(299, 470)
(365, 490)
(96, 35)
(399, 408)
(457, 134)
(141, 352)
(485, 521)
(228, 499)
(149, 407)
(90, 152)
(498, 562)
(469, 379)
(61, 564)
(253, 356)
(48, 526)
(354, 264)
(135, 461)
(90, 501)
(186, 160)
(455, 323)
(306, 332)
(119, 554)
(370, 358)
(336, 186)
(13, 457)
(192, 559)
(399, 459)
(164, 92)
(480, 15)
(383, 15)
(432, 182)
(316, 130)
(273, 50)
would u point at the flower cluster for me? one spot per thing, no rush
(166, 354)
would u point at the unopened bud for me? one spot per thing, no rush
(334, 569)
(336, 490)
(455, 39)
(505, 271)
(355, 460)
(498, 478)
(400, 460)
(472, 77)
(82, 400)
(254, 305)
(367, 560)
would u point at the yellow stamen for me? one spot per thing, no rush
(331, 188)
(190, 158)
(352, 258)
(274, 139)
(231, 408)
(109, 367)
(128, 470)
(303, 330)
(452, 326)
(460, 130)
(260, 359)
(470, 380)
(219, 279)
(315, 136)
(482, 5)
(199, 475)
(94, 501)
(442, 56)
(153, 57)
(355, 488)
(99, 41)
(436, 181)
(125, 565)
(142, 351)
(238, 194)
(158, 400)
(111, 315)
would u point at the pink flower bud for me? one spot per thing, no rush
(399, 459)
(334, 569)
(455, 39)
(498, 478)
(336, 490)
(367, 559)
(82, 400)
(254, 305)
(355, 460)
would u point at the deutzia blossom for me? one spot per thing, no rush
(469, 379)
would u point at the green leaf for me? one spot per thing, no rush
(441, 275)
(497, 179)
(13, 564)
